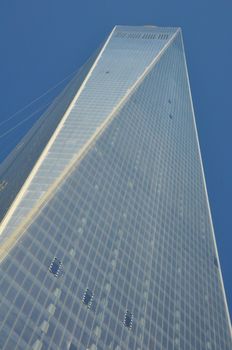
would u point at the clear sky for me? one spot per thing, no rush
(42, 42)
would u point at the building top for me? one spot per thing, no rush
(105, 81)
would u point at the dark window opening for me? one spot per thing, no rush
(169, 101)
(170, 116)
(55, 267)
(88, 297)
(128, 319)
(72, 347)
(163, 36)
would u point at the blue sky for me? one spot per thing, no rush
(44, 41)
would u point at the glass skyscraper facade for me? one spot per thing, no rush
(106, 239)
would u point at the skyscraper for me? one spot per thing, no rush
(106, 236)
